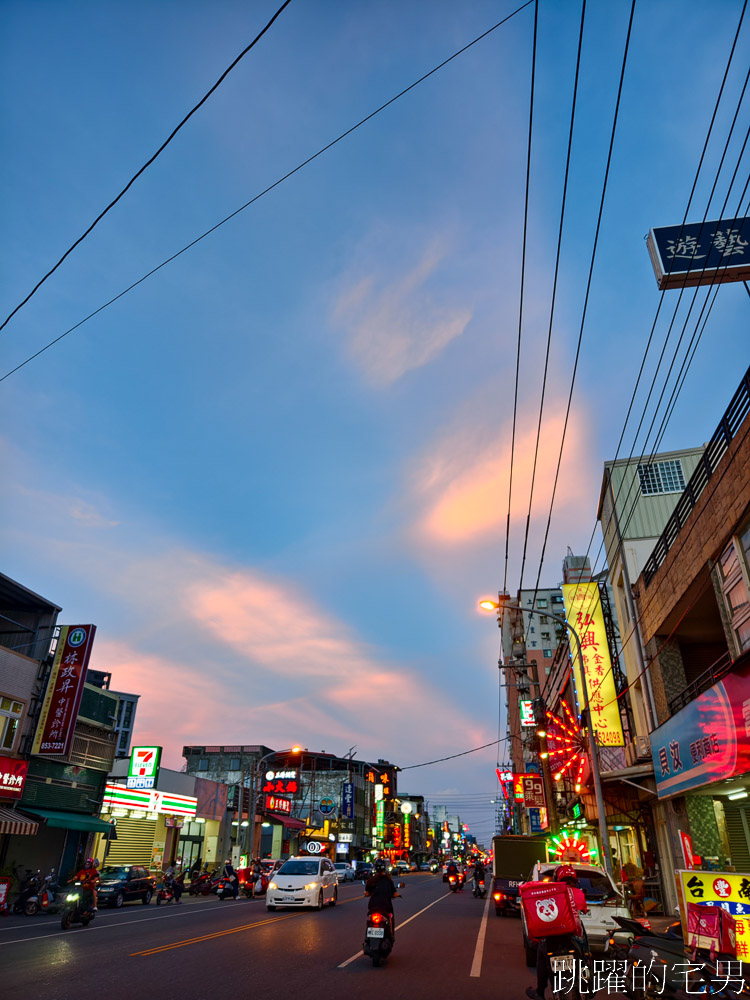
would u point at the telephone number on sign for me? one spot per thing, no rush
(52, 746)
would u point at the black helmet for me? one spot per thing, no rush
(380, 865)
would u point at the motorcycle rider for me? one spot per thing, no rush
(90, 879)
(478, 872)
(230, 874)
(452, 870)
(566, 874)
(381, 891)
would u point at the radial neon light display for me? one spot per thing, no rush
(567, 747)
(564, 845)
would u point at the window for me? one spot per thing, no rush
(546, 635)
(734, 587)
(661, 477)
(542, 602)
(532, 644)
(234, 763)
(557, 599)
(10, 718)
(202, 764)
(547, 653)
(531, 630)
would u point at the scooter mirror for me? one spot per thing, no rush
(401, 885)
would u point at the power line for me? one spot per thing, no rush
(453, 756)
(146, 165)
(523, 286)
(266, 190)
(554, 289)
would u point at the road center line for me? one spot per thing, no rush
(476, 965)
(398, 928)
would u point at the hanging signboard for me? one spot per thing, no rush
(583, 609)
(728, 890)
(700, 253)
(347, 800)
(281, 782)
(708, 740)
(57, 719)
(12, 777)
(143, 771)
(533, 791)
(527, 712)
(518, 787)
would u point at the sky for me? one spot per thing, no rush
(275, 474)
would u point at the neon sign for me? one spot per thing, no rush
(570, 848)
(277, 805)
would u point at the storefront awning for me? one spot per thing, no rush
(15, 822)
(289, 823)
(71, 821)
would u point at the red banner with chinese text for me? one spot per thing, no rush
(12, 777)
(57, 720)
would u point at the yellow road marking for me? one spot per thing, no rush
(230, 930)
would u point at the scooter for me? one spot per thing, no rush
(44, 897)
(570, 966)
(165, 893)
(79, 907)
(224, 888)
(379, 934)
(27, 898)
(204, 884)
(480, 889)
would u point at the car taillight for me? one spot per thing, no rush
(499, 895)
(377, 918)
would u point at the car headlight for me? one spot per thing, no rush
(72, 896)
(312, 885)
(272, 885)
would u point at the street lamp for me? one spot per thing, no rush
(254, 786)
(488, 605)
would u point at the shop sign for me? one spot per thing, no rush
(346, 838)
(728, 890)
(314, 847)
(347, 800)
(700, 253)
(533, 791)
(380, 818)
(583, 609)
(12, 777)
(143, 771)
(278, 805)
(503, 776)
(708, 740)
(518, 787)
(121, 797)
(326, 806)
(281, 782)
(527, 712)
(687, 849)
(535, 820)
(57, 719)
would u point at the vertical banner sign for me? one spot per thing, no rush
(533, 791)
(686, 843)
(583, 609)
(57, 720)
(526, 709)
(380, 818)
(347, 800)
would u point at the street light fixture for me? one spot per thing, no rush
(503, 603)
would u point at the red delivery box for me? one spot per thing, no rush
(549, 909)
(711, 927)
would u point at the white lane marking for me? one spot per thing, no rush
(398, 928)
(104, 927)
(476, 965)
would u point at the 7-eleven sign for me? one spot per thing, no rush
(144, 767)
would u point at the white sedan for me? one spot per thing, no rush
(344, 872)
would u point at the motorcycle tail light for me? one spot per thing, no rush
(45, 902)
(377, 918)
(499, 895)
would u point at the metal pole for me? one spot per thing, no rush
(593, 750)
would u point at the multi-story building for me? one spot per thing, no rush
(126, 709)
(693, 604)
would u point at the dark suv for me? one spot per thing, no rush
(122, 883)
(364, 870)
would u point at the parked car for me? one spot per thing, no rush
(303, 881)
(124, 883)
(344, 872)
(604, 901)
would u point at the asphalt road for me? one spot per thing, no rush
(447, 945)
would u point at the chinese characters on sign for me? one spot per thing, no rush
(12, 777)
(618, 977)
(527, 712)
(347, 800)
(533, 791)
(57, 720)
(700, 253)
(583, 610)
(278, 805)
(281, 783)
(728, 890)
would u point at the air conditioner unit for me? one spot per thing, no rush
(643, 748)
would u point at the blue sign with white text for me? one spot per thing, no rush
(347, 800)
(701, 253)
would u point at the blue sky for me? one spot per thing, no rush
(275, 474)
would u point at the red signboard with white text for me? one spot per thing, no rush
(12, 777)
(278, 805)
(57, 720)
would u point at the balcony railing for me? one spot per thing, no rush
(707, 679)
(736, 412)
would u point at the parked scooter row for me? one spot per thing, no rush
(37, 894)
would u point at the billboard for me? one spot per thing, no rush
(708, 740)
(583, 610)
(57, 719)
(700, 253)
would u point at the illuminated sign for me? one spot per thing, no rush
(700, 253)
(380, 817)
(527, 712)
(583, 609)
(725, 889)
(406, 808)
(143, 771)
(62, 699)
(12, 777)
(153, 801)
(378, 793)
(570, 848)
(314, 847)
(533, 791)
(503, 776)
(706, 741)
(518, 787)
(281, 783)
(278, 805)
